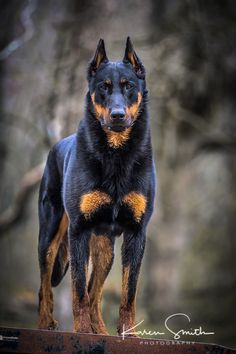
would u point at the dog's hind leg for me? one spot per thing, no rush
(47, 261)
(61, 263)
(53, 228)
(102, 255)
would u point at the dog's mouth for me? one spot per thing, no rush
(116, 128)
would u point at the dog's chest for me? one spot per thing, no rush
(116, 177)
(115, 198)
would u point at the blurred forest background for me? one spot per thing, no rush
(188, 48)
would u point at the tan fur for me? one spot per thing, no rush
(81, 315)
(131, 58)
(124, 294)
(46, 320)
(127, 311)
(92, 201)
(100, 111)
(64, 252)
(101, 255)
(99, 59)
(108, 82)
(123, 81)
(117, 139)
(134, 108)
(137, 202)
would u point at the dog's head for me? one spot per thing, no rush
(116, 88)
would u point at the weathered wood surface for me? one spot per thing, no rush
(28, 341)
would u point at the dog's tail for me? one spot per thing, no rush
(61, 262)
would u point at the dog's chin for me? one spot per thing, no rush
(116, 128)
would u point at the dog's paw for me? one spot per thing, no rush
(83, 326)
(99, 328)
(126, 330)
(49, 324)
(88, 330)
(54, 326)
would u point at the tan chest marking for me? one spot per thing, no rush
(92, 201)
(117, 139)
(137, 203)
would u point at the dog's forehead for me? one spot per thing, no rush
(115, 71)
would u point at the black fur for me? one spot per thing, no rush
(85, 162)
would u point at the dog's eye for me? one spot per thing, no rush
(104, 86)
(128, 85)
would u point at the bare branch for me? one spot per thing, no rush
(27, 184)
(28, 25)
(215, 144)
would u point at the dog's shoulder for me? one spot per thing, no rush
(64, 145)
(59, 153)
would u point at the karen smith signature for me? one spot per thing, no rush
(177, 334)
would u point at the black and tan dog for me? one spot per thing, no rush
(98, 184)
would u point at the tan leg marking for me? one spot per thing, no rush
(92, 201)
(81, 315)
(127, 311)
(46, 320)
(102, 257)
(64, 252)
(137, 203)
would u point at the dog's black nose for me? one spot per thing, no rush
(117, 114)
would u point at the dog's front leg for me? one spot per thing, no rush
(79, 251)
(132, 254)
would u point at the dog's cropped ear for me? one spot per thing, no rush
(131, 57)
(99, 57)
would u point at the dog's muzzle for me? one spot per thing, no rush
(118, 121)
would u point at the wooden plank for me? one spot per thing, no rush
(28, 341)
